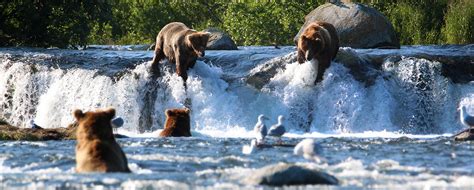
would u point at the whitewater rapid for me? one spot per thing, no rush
(410, 97)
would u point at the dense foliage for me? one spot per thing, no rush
(46, 23)
(64, 23)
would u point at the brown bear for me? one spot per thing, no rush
(96, 149)
(180, 45)
(177, 123)
(318, 41)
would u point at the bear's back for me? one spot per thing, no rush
(177, 123)
(96, 149)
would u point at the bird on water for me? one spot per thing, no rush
(309, 149)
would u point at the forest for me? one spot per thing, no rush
(70, 24)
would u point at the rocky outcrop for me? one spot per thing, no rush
(8, 132)
(219, 40)
(289, 174)
(261, 75)
(466, 135)
(365, 65)
(357, 25)
(360, 67)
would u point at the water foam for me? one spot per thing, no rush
(410, 94)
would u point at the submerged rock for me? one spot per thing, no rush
(289, 174)
(466, 135)
(357, 25)
(219, 40)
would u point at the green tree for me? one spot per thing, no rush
(49, 23)
(459, 22)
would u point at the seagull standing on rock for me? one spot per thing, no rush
(309, 149)
(260, 129)
(278, 129)
(466, 119)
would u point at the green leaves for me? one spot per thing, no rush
(64, 24)
(49, 23)
(459, 22)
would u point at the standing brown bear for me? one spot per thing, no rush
(178, 123)
(96, 149)
(318, 41)
(179, 45)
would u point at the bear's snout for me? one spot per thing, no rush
(201, 54)
(308, 55)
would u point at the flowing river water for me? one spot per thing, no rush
(384, 121)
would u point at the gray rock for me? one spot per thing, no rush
(357, 25)
(365, 65)
(219, 40)
(361, 68)
(289, 174)
(261, 75)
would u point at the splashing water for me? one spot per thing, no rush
(410, 96)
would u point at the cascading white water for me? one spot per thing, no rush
(410, 96)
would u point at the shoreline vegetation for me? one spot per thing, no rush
(77, 23)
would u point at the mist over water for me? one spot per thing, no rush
(410, 96)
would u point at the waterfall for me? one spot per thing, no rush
(409, 96)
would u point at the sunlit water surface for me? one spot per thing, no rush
(393, 134)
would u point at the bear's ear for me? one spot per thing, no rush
(187, 110)
(110, 112)
(191, 39)
(206, 35)
(78, 114)
(198, 38)
(169, 113)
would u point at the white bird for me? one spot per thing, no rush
(278, 129)
(466, 119)
(260, 129)
(309, 149)
(250, 149)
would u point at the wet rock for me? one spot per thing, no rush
(219, 40)
(357, 25)
(120, 47)
(289, 174)
(8, 132)
(466, 135)
(361, 68)
(365, 65)
(261, 75)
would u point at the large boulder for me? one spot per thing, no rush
(289, 174)
(357, 25)
(219, 40)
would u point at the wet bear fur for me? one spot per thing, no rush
(319, 41)
(181, 46)
(96, 149)
(178, 123)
